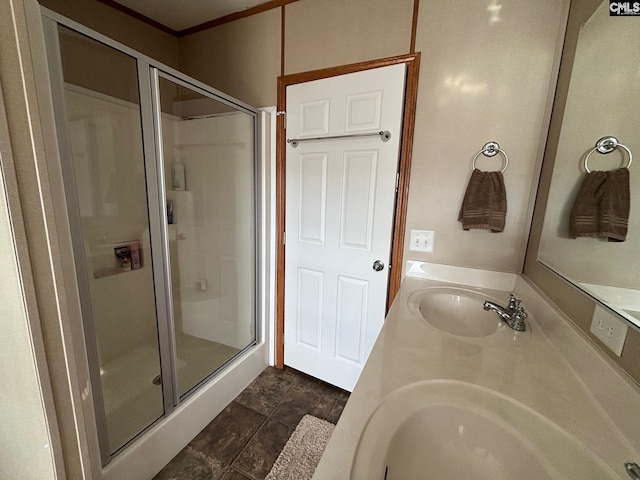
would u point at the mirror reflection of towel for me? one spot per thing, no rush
(485, 202)
(602, 206)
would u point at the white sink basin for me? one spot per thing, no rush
(456, 310)
(444, 430)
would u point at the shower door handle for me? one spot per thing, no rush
(378, 265)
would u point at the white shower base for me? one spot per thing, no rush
(132, 401)
(155, 448)
(200, 357)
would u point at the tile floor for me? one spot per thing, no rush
(243, 442)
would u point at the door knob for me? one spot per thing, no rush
(378, 265)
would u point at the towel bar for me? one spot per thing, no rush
(385, 136)
(607, 145)
(491, 149)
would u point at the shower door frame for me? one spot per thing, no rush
(149, 71)
(155, 74)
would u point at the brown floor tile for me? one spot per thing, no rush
(266, 391)
(343, 395)
(253, 429)
(261, 452)
(307, 382)
(301, 400)
(287, 372)
(234, 475)
(190, 464)
(229, 432)
(336, 411)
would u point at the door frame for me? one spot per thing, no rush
(412, 61)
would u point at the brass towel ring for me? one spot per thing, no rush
(491, 149)
(607, 145)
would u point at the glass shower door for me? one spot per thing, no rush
(105, 183)
(207, 154)
(161, 190)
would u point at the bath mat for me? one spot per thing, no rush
(301, 455)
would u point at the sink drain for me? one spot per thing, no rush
(157, 380)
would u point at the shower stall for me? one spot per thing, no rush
(162, 187)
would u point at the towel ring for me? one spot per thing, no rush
(491, 149)
(607, 145)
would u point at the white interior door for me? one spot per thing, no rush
(339, 219)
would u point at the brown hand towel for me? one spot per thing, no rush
(602, 206)
(485, 202)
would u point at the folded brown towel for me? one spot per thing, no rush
(485, 202)
(602, 206)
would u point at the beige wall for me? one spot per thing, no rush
(91, 65)
(327, 33)
(480, 80)
(241, 58)
(119, 26)
(24, 427)
(50, 350)
(575, 304)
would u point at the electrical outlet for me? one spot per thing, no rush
(609, 329)
(422, 240)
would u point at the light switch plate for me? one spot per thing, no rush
(609, 329)
(422, 240)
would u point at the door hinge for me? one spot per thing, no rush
(284, 114)
(284, 238)
(397, 181)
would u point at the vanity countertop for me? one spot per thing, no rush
(551, 368)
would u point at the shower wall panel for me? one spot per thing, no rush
(108, 163)
(208, 150)
(213, 226)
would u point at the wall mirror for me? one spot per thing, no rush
(603, 99)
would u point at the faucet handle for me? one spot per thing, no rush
(520, 312)
(518, 315)
(513, 302)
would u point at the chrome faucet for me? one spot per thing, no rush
(513, 315)
(633, 470)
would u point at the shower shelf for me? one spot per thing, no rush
(103, 261)
(111, 271)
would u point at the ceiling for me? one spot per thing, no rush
(179, 15)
